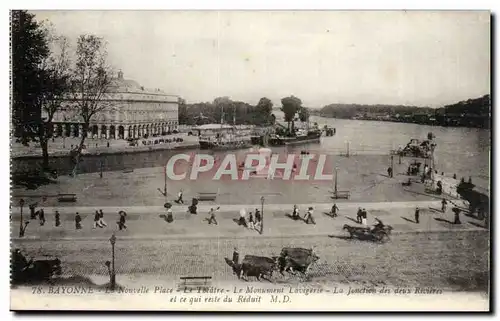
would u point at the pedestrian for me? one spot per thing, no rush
(212, 218)
(32, 208)
(443, 205)
(58, 219)
(470, 180)
(454, 176)
(456, 210)
(179, 197)
(242, 220)
(295, 212)
(107, 144)
(97, 217)
(250, 221)
(334, 210)
(236, 256)
(78, 221)
(170, 215)
(417, 215)
(364, 217)
(309, 216)
(389, 172)
(101, 218)
(122, 220)
(258, 216)
(41, 216)
(359, 215)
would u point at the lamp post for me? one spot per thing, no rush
(21, 231)
(262, 199)
(112, 240)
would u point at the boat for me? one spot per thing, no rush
(300, 137)
(222, 137)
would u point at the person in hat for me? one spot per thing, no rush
(443, 205)
(334, 210)
(78, 221)
(359, 215)
(58, 219)
(295, 212)
(41, 217)
(309, 216)
(122, 220)
(101, 218)
(212, 218)
(97, 224)
(242, 220)
(417, 215)
(364, 216)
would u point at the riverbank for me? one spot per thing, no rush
(62, 147)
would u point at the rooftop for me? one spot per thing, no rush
(122, 85)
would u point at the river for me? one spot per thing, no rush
(464, 151)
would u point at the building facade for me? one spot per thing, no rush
(133, 112)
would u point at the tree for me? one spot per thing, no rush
(290, 107)
(55, 70)
(264, 108)
(90, 84)
(303, 114)
(29, 49)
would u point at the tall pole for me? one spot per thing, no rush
(262, 215)
(392, 164)
(335, 187)
(21, 232)
(112, 240)
(165, 180)
(100, 173)
(347, 148)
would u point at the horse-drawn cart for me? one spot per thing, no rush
(366, 233)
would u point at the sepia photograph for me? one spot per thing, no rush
(232, 160)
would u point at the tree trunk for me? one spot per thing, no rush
(44, 144)
(78, 154)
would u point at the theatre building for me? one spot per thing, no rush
(133, 112)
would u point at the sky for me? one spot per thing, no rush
(414, 58)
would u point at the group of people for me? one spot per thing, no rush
(308, 217)
(361, 216)
(250, 221)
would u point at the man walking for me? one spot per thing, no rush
(334, 210)
(456, 210)
(417, 215)
(78, 221)
(179, 197)
(258, 220)
(242, 220)
(309, 216)
(121, 221)
(359, 215)
(58, 219)
(97, 217)
(443, 205)
(295, 212)
(101, 218)
(212, 218)
(250, 221)
(41, 216)
(364, 217)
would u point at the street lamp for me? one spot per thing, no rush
(112, 240)
(262, 199)
(21, 231)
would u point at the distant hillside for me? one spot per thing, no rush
(469, 113)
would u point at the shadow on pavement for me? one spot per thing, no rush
(350, 218)
(478, 225)
(444, 220)
(298, 218)
(408, 220)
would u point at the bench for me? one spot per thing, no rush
(195, 282)
(341, 195)
(66, 198)
(207, 196)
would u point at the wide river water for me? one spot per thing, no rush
(464, 151)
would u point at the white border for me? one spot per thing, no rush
(177, 5)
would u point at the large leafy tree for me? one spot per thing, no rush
(264, 109)
(291, 105)
(303, 114)
(40, 76)
(90, 84)
(29, 49)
